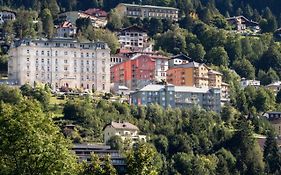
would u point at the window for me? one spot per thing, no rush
(87, 62)
(56, 69)
(93, 55)
(82, 55)
(48, 53)
(27, 67)
(103, 61)
(42, 61)
(27, 51)
(87, 54)
(65, 61)
(42, 52)
(65, 68)
(74, 54)
(56, 53)
(27, 59)
(36, 52)
(56, 61)
(65, 53)
(103, 86)
(103, 77)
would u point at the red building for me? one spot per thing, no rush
(135, 73)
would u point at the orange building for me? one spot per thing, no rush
(194, 74)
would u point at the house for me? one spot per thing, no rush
(275, 86)
(133, 38)
(125, 130)
(225, 97)
(84, 151)
(60, 62)
(66, 29)
(6, 15)
(274, 118)
(148, 11)
(121, 90)
(241, 24)
(244, 83)
(178, 96)
(179, 59)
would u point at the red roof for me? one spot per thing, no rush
(96, 12)
(66, 24)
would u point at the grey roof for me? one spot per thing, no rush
(191, 89)
(214, 72)
(189, 65)
(122, 125)
(155, 87)
(148, 6)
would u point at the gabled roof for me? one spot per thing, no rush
(182, 56)
(134, 28)
(96, 12)
(122, 125)
(244, 18)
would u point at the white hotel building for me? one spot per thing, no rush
(61, 62)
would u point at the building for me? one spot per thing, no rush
(194, 74)
(6, 15)
(241, 24)
(84, 151)
(61, 62)
(66, 29)
(275, 119)
(116, 59)
(275, 87)
(133, 38)
(125, 130)
(178, 96)
(97, 22)
(178, 60)
(244, 83)
(148, 11)
(225, 97)
(139, 71)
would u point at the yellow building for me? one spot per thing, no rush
(194, 74)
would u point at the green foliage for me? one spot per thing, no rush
(115, 142)
(141, 160)
(48, 24)
(31, 143)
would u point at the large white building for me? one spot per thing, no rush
(61, 62)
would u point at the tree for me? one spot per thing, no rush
(218, 56)
(9, 95)
(278, 97)
(141, 160)
(272, 156)
(244, 68)
(31, 143)
(114, 20)
(48, 24)
(108, 167)
(115, 142)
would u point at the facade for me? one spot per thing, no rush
(224, 93)
(275, 87)
(66, 29)
(125, 130)
(241, 24)
(194, 74)
(139, 71)
(84, 151)
(133, 38)
(244, 83)
(6, 15)
(178, 96)
(275, 119)
(61, 62)
(148, 11)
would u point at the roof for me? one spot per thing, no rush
(191, 89)
(189, 65)
(182, 57)
(123, 88)
(156, 87)
(277, 83)
(67, 24)
(148, 6)
(214, 72)
(133, 28)
(96, 12)
(246, 19)
(122, 125)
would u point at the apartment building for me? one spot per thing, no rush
(61, 62)
(194, 74)
(139, 71)
(148, 11)
(6, 15)
(178, 96)
(125, 130)
(133, 38)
